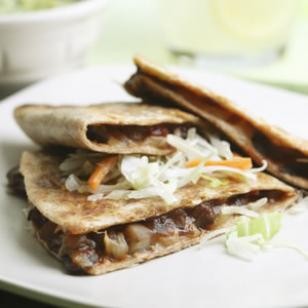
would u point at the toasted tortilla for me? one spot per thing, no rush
(77, 217)
(82, 127)
(287, 156)
(75, 214)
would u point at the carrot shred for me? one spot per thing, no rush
(243, 163)
(193, 163)
(101, 170)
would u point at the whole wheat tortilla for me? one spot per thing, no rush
(68, 125)
(287, 156)
(73, 213)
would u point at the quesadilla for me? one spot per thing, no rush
(287, 156)
(109, 128)
(99, 212)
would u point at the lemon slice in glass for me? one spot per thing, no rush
(252, 20)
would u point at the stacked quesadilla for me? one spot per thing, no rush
(119, 184)
(287, 155)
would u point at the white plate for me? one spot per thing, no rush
(191, 278)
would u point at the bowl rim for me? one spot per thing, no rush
(70, 11)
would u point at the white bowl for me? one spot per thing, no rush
(34, 45)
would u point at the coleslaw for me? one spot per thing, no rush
(139, 176)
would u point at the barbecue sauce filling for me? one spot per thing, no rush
(116, 243)
(15, 183)
(289, 159)
(79, 252)
(106, 133)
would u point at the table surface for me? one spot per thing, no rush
(120, 41)
(12, 300)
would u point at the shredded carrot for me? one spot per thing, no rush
(193, 163)
(236, 162)
(101, 170)
(243, 163)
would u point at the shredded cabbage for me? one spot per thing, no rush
(249, 210)
(246, 175)
(223, 147)
(261, 168)
(80, 163)
(109, 188)
(215, 234)
(265, 224)
(138, 171)
(142, 177)
(72, 183)
(117, 194)
(256, 205)
(165, 191)
(186, 146)
(252, 234)
(214, 182)
(245, 247)
(191, 134)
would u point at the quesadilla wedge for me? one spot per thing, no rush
(149, 206)
(109, 128)
(287, 156)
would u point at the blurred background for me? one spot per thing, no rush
(261, 40)
(153, 27)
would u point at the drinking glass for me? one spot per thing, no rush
(247, 31)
